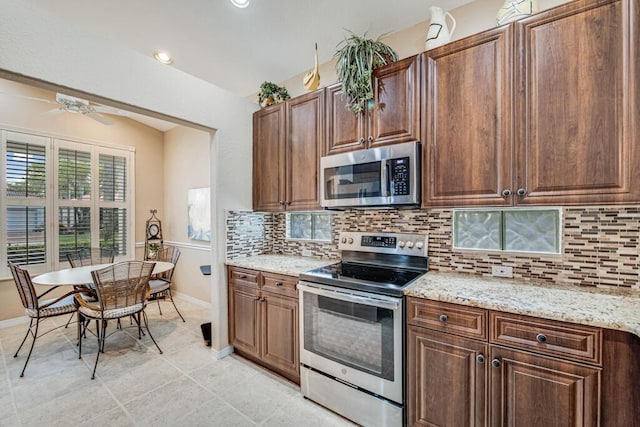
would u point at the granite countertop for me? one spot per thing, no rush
(612, 309)
(279, 264)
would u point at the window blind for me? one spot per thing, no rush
(113, 229)
(113, 178)
(74, 175)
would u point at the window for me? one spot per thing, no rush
(49, 190)
(512, 230)
(309, 226)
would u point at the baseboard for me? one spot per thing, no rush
(191, 299)
(221, 354)
(12, 322)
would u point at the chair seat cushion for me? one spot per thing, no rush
(64, 306)
(158, 285)
(95, 313)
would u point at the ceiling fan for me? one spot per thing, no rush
(71, 104)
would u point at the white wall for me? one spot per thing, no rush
(42, 48)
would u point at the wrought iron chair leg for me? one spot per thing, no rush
(174, 306)
(25, 337)
(100, 339)
(31, 349)
(69, 321)
(146, 325)
(159, 309)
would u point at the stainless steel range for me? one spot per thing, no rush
(352, 319)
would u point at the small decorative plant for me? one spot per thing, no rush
(271, 93)
(153, 250)
(357, 57)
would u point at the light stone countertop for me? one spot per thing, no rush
(612, 309)
(279, 264)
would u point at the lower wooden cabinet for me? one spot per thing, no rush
(263, 319)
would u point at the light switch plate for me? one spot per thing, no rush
(501, 271)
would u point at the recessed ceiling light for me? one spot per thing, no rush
(240, 3)
(163, 56)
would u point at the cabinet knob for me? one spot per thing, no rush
(521, 192)
(541, 338)
(287, 203)
(281, 202)
(361, 140)
(480, 358)
(443, 317)
(495, 363)
(506, 192)
(257, 298)
(278, 283)
(370, 138)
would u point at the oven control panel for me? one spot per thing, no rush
(389, 243)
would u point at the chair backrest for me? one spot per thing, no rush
(90, 256)
(25, 287)
(122, 285)
(169, 254)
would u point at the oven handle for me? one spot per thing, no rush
(345, 296)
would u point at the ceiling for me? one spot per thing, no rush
(237, 49)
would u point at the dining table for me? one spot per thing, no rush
(79, 276)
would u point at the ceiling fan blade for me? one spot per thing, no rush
(102, 119)
(53, 112)
(30, 98)
(110, 110)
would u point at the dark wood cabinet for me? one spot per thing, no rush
(446, 379)
(532, 390)
(263, 319)
(395, 117)
(287, 145)
(540, 112)
(577, 104)
(467, 105)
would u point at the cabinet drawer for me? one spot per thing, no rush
(279, 284)
(243, 276)
(566, 340)
(451, 318)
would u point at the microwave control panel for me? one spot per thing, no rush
(399, 176)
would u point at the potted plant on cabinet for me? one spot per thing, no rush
(271, 93)
(357, 57)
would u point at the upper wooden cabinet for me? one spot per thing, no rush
(577, 104)
(541, 112)
(287, 145)
(468, 140)
(394, 119)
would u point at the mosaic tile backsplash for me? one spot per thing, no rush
(599, 244)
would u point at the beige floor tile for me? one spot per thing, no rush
(116, 417)
(301, 412)
(223, 374)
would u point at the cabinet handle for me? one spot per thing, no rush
(361, 140)
(287, 203)
(278, 283)
(443, 317)
(243, 276)
(541, 338)
(480, 358)
(281, 202)
(506, 192)
(370, 138)
(495, 363)
(521, 192)
(257, 299)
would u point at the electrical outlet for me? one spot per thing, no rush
(501, 271)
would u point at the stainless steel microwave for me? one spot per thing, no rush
(386, 176)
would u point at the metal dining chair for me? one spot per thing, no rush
(38, 309)
(160, 285)
(90, 256)
(121, 291)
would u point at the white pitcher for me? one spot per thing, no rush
(438, 33)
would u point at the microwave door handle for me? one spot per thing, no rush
(384, 178)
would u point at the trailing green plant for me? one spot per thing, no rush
(357, 57)
(271, 93)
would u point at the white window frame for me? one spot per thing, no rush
(52, 203)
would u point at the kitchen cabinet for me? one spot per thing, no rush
(287, 144)
(540, 112)
(395, 117)
(263, 319)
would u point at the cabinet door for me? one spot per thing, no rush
(269, 159)
(345, 130)
(577, 110)
(396, 115)
(446, 380)
(244, 332)
(280, 334)
(532, 390)
(305, 137)
(468, 109)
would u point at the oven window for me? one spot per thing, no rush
(353, 181)
(355, 335)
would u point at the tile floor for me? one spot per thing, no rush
(137, 386)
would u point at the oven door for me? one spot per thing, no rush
(353, 336)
